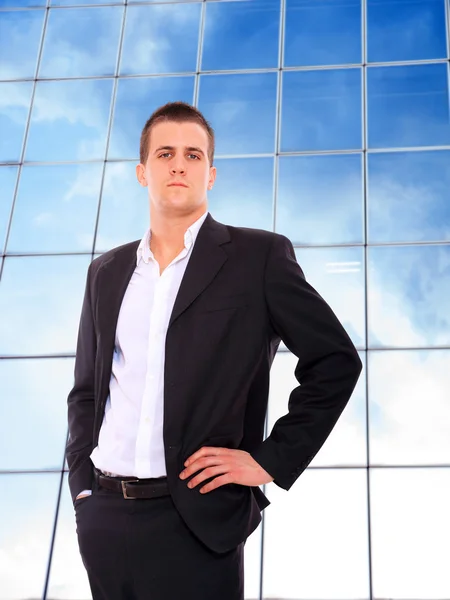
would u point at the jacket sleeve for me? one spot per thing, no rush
(81, 406)
(327, 370)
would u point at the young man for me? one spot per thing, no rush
(166, 417)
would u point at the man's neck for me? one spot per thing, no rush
(167, 234)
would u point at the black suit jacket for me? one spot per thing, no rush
(242, 292)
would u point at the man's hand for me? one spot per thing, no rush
(226, 465)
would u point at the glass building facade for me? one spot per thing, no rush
(333, 128)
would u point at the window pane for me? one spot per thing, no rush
(63, 218)
(74, 2)
(401, 431)
(68, 577)
(408, 106)
(124, 208)
(320, 199)
(241, 35)
(406, 30)
(27, 514)
(321, 110)
(410, 533)
(14, 107)
(40, 303)
(36, 388)
(243, 192)
(135, 102)
(338, 275)
(20, 35)
(408, 196)
(346, 444)
(161, 39)
(21, 3)
(69, 120)
(319, 527)
(241, 108)
(8, 177)
(322, 32)
(81, 42)
(408, 291)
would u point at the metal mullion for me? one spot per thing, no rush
(201, 34)
(36, 356)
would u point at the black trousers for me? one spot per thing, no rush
(142, 550)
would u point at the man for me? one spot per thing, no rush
(166, 417)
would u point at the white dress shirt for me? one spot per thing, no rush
(131, 436)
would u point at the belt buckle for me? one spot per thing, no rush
(124, 489)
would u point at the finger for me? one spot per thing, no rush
(205, 451)
(201, 463)
(217, 482)
(207, 473)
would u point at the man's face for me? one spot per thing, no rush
(177, 172)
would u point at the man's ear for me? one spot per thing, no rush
(140, 174)
(212, 177)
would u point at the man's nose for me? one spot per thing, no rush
(177, 167)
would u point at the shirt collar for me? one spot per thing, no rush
(144, 252)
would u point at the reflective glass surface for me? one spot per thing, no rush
(21, 3)
(161, 39)
(406, 30)
(401, 431)
(69, 120)
(36, 388)
(243, 192)
(408, 289)
(68, 578)
(408, 196)
(321, 110)
(408, 106)
(346, 445)
(82, 41)
(338, 275)
(410, 528)
(319, 527)
(14, 108)
(242, 108)
(322, 32)
(320, 199)
(27, 514)
(40, 304)
(241, 35)
(75, 2)
(8, 176)
(135, 102)
(124, 208)
(20, 35)
(56, 209)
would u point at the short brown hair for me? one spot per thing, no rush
(180, 112)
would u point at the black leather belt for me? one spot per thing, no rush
(133, 488)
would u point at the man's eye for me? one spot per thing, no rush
(194, 155)
(164, 154)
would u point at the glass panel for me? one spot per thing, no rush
(135, 102)
(408, 291)
(14, 107)
(124, 208)
(8, 177)
(410, 529)
(406, 30)
(243, 192)
(241, 108)
(161, 39)
(35, 388)
(81, 42)
(63, 220)
(27, 514)
(401, 431)
(69, 120)
(21, 3)
(321, 110)
(320, 199)
(408, 196)
(42, 295)
(68, 578)
(241, 35)
(408, 106)
(74, 2)
(322, 32)
(338, 275)
(20, 33)
(319, 527)
(346, 445)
